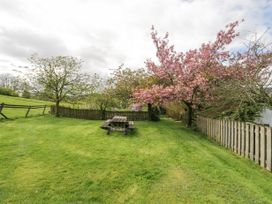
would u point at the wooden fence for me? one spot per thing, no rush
(249, 140)
(27, 107)
(98, 114)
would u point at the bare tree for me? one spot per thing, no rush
(9, 81)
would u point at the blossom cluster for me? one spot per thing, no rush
(190, 74)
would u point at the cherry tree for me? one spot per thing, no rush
(189, 76)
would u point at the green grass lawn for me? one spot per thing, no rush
(22, 101)
(60, 160)
(18, 113)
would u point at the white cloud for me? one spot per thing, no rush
(106, 33)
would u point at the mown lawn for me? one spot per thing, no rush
(60, 160)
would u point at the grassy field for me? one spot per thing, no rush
(22, 101)
(18, 113)
(60, 160)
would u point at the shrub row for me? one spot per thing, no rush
(7, 92)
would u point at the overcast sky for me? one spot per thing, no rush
(106, 33)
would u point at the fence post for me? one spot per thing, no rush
(44, 109)
(1, 108)
(28, 111)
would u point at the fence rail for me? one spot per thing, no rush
(27, 107)
(249, 140)
(98, 114)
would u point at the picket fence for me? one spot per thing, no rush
(249, 140)
(98, 114)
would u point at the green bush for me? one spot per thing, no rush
(26, 94)
(7, 92)
(175, 110)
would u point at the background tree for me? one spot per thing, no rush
(58, 78)
(243, 98)
(9, 81)
(175, 110)
(123, 82)
(88, 100)
(17, 85)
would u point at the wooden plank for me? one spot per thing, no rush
(257, 144)
(239, 138)
(223, 132)
(262, 146)
(211, 127)
(226, 134)
(218, 130)
(252, 141)
(230, 131)
(247, 126)
(269, 149)
(214, 129)
(208, 127)
(208, 132)
(232, 136)
(242, 138)
(235, 137)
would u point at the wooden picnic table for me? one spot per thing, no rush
(119, 123)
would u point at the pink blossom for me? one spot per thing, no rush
(188, 76)
(136, 107)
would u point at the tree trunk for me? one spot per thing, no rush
(57, 109)
(190, 115)
(153, 113)
(149, 108)
(103, 114)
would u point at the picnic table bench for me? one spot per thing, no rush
(119, 123)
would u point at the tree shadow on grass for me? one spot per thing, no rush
(115, 133)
